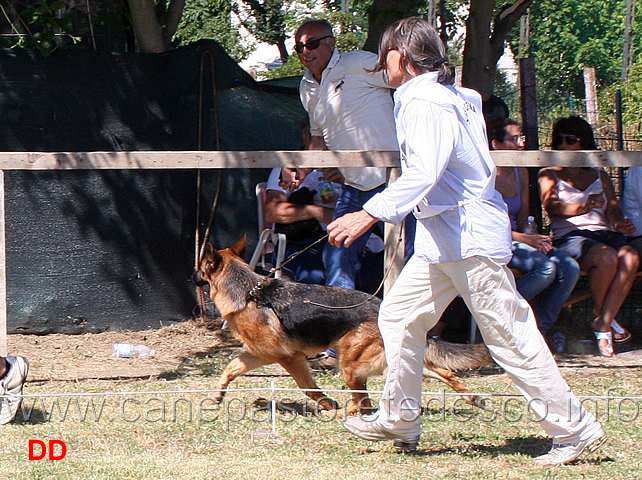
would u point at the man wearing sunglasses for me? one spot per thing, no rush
(350, 108)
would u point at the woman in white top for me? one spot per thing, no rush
(462, 245)
(588, 224)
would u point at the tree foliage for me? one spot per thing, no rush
(266, 20)
(211, 19)
(42, 25)
(631, 94)
(567, 36)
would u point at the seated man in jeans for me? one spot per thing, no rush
(296, 206)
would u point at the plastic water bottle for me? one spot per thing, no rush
(531, 226)
(127, 350)
(326, 191)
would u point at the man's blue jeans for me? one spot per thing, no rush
(341, 264)
(556, 272)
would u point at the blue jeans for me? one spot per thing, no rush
(556, 272)
(308, 266)
(341, 263)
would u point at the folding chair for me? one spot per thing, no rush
(268, 239)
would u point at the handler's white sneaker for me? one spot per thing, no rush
(11, 387)
(561, 454)
(369, 427)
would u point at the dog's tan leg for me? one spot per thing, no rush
(361, 355)
(240, 365)
(450, 379)
(298, 368)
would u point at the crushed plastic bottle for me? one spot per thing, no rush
(127, 350)
(531, 226)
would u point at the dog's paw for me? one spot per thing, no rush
(218, 397)
(334, 413)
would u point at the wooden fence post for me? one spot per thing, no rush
(590, 89)
(393, 256)
(530, 128)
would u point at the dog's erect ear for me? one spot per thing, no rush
(213, 258)
(209, 251)
(239, 247)
(211, 255)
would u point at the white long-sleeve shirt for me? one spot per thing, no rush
(447, 172)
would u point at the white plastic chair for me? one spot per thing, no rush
(268, 239)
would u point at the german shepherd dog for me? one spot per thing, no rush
(280, 321)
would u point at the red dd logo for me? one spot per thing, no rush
(38, 450)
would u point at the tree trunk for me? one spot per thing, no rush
(484, 46)
(384, 12)
(148, 32)
(283, 51)
(152, 34)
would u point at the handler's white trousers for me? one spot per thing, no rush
(414, 305)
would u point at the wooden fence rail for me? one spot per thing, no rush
(262, 159)
(269, 159)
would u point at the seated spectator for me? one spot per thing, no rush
(13, 373)
(544, 267)
(294, 205)
(632, 205)
(588, 224)
(301, 212)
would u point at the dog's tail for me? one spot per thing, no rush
(455, 356)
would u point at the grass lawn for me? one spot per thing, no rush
(163, 435)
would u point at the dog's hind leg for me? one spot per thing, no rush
(450, 379)
(360, 356)
(297, 367)
(240, 365)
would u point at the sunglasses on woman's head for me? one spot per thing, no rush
(311, 45)
(570, 139)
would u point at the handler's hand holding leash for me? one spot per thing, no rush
(347, 228)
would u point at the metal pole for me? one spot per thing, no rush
(618, 120)
(627, 49)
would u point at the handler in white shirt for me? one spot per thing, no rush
(462, 246)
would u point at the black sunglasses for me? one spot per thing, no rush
(311, 45)
(570, 139)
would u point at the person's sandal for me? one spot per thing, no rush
(620, 334)
(604, 347)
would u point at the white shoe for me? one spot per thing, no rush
(568, 453)
(11, 388)
(370, 428)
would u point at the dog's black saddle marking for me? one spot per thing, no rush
(316, 324)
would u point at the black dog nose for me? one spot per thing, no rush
(197, 279)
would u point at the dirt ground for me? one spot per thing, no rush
(89, 356)
(61, 357)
